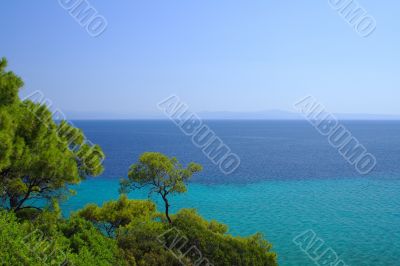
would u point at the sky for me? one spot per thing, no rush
(226, 55)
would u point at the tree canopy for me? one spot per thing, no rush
(114, 214)
(163, 175)
(39, 157)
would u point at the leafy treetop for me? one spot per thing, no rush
(39, 158)
(163, 175)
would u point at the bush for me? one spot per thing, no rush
(145, 239)
(140, 240)
(21, 246)
(216, 246)
(88, 246)
(49, 242)
(114, 214)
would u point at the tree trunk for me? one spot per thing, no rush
(14, 203)
(167, 208)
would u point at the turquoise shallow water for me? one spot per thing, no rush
(290, 180)
(358, 218)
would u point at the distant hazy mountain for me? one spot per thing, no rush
(367, 117)
(262, 115)
(286, 115)
(271, 114)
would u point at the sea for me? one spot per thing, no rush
(290, 182)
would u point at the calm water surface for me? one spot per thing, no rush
(290, 180)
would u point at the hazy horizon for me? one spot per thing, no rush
(225, 115)
(225, 56)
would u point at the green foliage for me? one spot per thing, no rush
(217, 246)
(190, 240)
(9, 85)
(114, 214)
(88, 246)
(165, 176)
(38, 157)
(51, 241)
(140, 240)
(21, 246)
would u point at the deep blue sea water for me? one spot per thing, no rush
(290, 180)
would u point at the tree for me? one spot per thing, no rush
(163, 175)
(114, 214)
(9, 87)
(39, 158)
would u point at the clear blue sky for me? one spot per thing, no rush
(221, 55)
